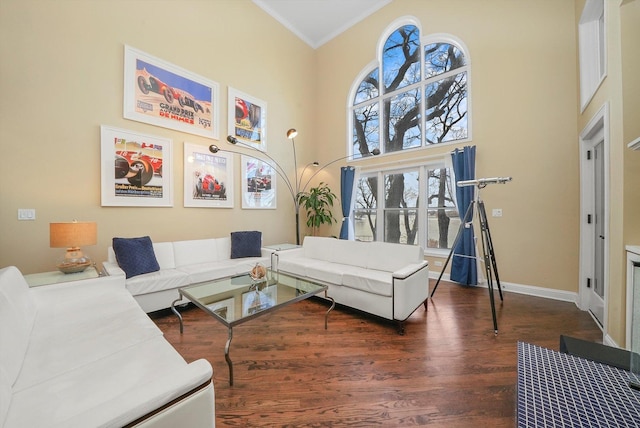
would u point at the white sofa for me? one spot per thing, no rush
(83, 354)
(182, 263)
(383, 279)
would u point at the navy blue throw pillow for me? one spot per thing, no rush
(135, 256)
(246, 244)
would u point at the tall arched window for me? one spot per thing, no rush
(414, 95)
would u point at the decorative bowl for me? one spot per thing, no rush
(258, 272)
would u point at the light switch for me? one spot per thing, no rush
(26, 214)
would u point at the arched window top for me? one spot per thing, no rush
(416, 94)
(442, 57)
(368, 88)
(443, 53)
(401, 58)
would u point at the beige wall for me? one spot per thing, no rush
(62, 77)
(523, 89)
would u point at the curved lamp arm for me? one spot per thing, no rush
(215, 149)
(374, 152)
(281, 172)
(293, 190)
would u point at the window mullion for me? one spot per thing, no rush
(380, 232)
(423, 204)
(444, 75)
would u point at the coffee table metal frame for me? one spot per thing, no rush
(244, 284)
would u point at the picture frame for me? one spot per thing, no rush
(224, 308)
(247, 117)
(136, 169)
(208, 178)
(259, 184)
(257, 300)
(162, 94)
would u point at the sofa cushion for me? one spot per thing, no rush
(164, 255)
(324, 271)
(195, 251)
(89, 387)
(209, 271)
(318, 248)
(164, 279)
(354, 253)
(246, 244)
(391, 257)
(223, 246)
(369, 280)
(135, 255)
(295, 265)
(105, 320)
(17, 316)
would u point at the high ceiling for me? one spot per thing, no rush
(318, 21)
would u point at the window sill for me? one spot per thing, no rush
(436, 252)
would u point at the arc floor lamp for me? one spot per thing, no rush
(295, 185)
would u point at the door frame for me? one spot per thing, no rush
(598, 123)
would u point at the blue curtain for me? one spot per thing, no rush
(463, 264)
(347, 175)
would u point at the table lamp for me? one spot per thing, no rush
(72, 236)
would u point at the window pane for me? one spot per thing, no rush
(366, 130)
(403, 122)
(442, 217)
(440, 58)
(368, 88)
(446, 109)
(401, 190)
(401, 226)
(442, 233)
(367, 193)
(365, 225)
(401, 58)
(440, 188)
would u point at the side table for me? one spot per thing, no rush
(55, 277)
(274, 252)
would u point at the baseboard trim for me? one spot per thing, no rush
(530, 290)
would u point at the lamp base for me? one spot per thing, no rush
(73, 267)
(74, 261)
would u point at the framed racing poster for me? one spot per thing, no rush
(258, 184)
(135, 169)
(247, 119)
(163, 94)
(208, 177)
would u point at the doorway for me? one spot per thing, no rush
(594, 183)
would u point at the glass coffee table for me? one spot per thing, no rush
(237, 299)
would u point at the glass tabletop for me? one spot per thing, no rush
(236, 299)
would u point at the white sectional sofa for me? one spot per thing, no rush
(183, 263)
(383, 279)
(83, 354)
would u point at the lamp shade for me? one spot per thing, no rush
(292, 133)
(73, 234)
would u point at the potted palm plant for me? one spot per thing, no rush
(318, 202)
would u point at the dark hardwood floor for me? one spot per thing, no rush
(448, 370)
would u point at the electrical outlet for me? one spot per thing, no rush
(26, 214)
(497, 212)
(437, 263)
